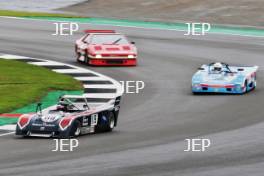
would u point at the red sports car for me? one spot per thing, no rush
(105, 48)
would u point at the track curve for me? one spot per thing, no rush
(150, 137)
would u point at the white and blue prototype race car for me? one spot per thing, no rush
(71, 117)
(222, 78)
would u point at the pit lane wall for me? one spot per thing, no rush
(97, 88)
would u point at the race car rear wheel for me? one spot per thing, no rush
(111, 122)
(255, 82)
(106, 123)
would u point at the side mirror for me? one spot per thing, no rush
(133, 43)
(200, 68)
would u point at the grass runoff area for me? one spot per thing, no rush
(35, 14)
(22, 84)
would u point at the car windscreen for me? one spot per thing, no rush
(223, 70)
(76, 103)
(76, 100)
(109, 39)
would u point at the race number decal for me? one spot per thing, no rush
(85, 120)
(94, 119)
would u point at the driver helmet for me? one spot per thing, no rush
(62, 105)
(217, 67)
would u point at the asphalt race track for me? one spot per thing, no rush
(149, 139)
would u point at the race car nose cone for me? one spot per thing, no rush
(50, 117)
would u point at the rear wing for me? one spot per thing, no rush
(88, 31)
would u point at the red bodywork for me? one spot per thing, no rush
(105, 54)
(217, 86)
(24, 120)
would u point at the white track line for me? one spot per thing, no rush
(5, 134)
(46, 63)
(90, 78)
(99, 86)
(7, 56)
(8, 127)
(75, 69)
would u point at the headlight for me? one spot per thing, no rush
(130, 56)
(98, 56)
(196, 86)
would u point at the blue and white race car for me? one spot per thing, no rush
(222, 78)
(73, 116)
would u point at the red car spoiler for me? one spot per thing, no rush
(99, 31)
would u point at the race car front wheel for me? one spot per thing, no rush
(86, 59)
(245, 87)
(78, 55)
(76, 129)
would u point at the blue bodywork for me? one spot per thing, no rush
(231, 80)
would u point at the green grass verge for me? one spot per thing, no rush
(22, 84)
(7, 121)
(49, 100)
(34, 14)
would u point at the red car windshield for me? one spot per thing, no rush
(113, 39)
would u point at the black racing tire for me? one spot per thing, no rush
(76, 129)
(78, 55)
(111, 122)
(86, 59)
(109, 126)
(245, 85)
(255, 82)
